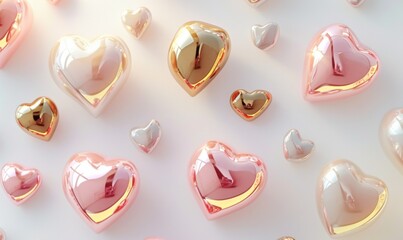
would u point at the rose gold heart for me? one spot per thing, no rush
(347, 198)
(101, 191)
(20, 183)
(224, 181)
(15, 22)
(337, 65)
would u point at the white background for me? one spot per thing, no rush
(165, 205)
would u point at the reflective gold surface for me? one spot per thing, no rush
(348, 199)
(136, 22)
(249, 106)
(197, 54)
(39, 118)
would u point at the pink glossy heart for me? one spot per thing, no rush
(224, 181)
(100, 190)
(20, 183)
(15, 22)
(337, 65)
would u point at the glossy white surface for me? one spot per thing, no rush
(165, 206)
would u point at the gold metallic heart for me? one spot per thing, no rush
(39, 118)
(197, 54)
(249, 106)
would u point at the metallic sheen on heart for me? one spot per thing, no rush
(391, 136)
(136, 22)
(147, 138)
(250, 106)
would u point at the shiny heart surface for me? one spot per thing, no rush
(224, 181)
(337, 65)
(256, 2)
(20, 183)
(347, 198)
(91, 72)
(146, 138)
(39, 118)
(356, 3)
(249, 106)
(391, 135)
(295, 148)
(266, 36)
(197, 54)
(15, 22)
(136, 22)
(100, 190)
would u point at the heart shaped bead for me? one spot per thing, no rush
(147, 138)
(197, 54)
(249, 106)
(16, 21)
(38, 118)
(256, 2)
(295, 148)
(136, 22)
(356, 3)
(224, 181)
(337, 65)
(100, 190)
(347, 198)
(91, 72)
(266, 36)
(391, 135)
(20, 183)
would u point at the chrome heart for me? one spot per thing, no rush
(296, 149)
(136, 22)
(249, 106)
(20, 183)
(337, 65)
(391, 135)
(347, 198)
(147, 138)
(197, 54)
(16, 21)
(256, 2)
(356, 3)
(39, 118)
(266, 36)
(93, 72)
(224, 181)
(101, 191)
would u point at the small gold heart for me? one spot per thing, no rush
(249, 106)
(39, 118)
(197, 54)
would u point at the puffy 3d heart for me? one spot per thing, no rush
(347, 198)
(101, 191)
(20, 183)
(250, 106)
(337, 65)
(91, 72)
(197, 54)
(224, 181)
(15, 22)
(391, 135)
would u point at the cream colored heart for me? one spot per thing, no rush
(295, 148)
(147, 138)
(137, 22)
(265, 37)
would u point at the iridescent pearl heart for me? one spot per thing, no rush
(295, 148)
(147, 138)
(39, 118)
(391, 135)
(256, 2)
(91, 72)
(265, 37)
(356, 3)
(100, 190)
(249, 106)
(224, 181)
(16, 21)
(136, 22)
(20, 183)
(197, 54)
(337, 65)
(347, 198)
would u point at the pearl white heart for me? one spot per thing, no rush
(136, 22)
(391, 135)
(147, 138)
(266, 36)
(296, 149)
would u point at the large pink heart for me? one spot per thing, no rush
(224, 181)
(337, 65)
(15, 21)
(101, 191)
